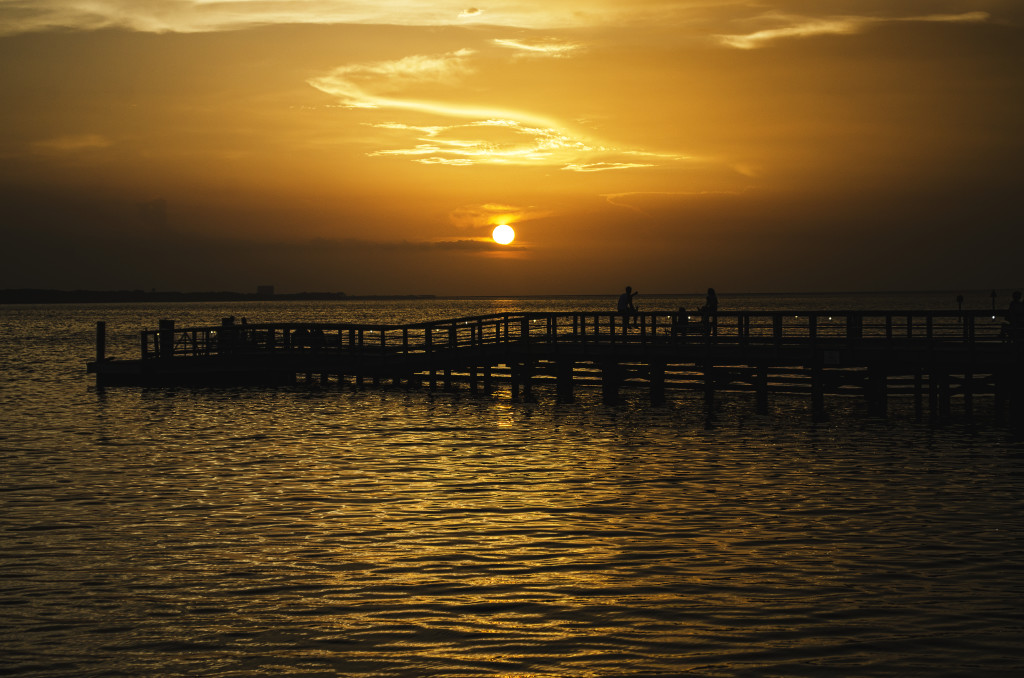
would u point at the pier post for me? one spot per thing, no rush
(945, 396)
(1016, 396)
(657, 381)
(968, 391)
(933, 395)
(999, 384)
(563, 381)
(761, 386)
(528, 369)
(227, 336)
(817, 390)
(877, 391)
(709, 385)
(488, 381)
(522, 380)
(939, 396)
(101, 341)
(918, 395)
(854, 328)
(611, 379)
(166, 338)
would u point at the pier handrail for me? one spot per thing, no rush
(779, 327)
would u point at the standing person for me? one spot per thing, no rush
(1014, 327)
(625, 306)
(711, 311)
(680, 323)
(1015, 312)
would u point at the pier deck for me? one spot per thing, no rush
(927, 354)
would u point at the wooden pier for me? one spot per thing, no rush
(930, 356)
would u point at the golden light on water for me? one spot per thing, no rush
(503, 234)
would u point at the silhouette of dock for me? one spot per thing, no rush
(931, 356)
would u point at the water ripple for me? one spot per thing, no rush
(179, 532)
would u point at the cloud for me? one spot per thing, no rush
(648, 202)
(604, 166)
(73, 143)
(494, 141)
(192, 16)
(487, 216)
(469, 134)
(803, 27)
(548, 48)
(466, 245)
(366, 85)
(487, 245)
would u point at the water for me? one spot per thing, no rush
(322, 532)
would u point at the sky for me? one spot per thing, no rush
(371, 148)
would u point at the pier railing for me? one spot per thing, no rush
(781, 328)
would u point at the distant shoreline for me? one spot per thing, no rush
(47, 296)
(36, 296)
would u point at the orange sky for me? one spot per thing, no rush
(370, 148)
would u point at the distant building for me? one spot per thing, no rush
(265, 291)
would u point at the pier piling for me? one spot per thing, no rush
(101, 341)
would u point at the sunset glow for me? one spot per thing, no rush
(371, 149)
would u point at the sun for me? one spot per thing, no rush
(503, 234)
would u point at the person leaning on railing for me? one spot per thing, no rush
(1013, 329)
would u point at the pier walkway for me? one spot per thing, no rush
(930, 355)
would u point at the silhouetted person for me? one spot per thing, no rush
(680, 324)
(1015, 318)
(1016, 310)
(709, 313)
(626, 307)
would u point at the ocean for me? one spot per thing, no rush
(326, 531)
